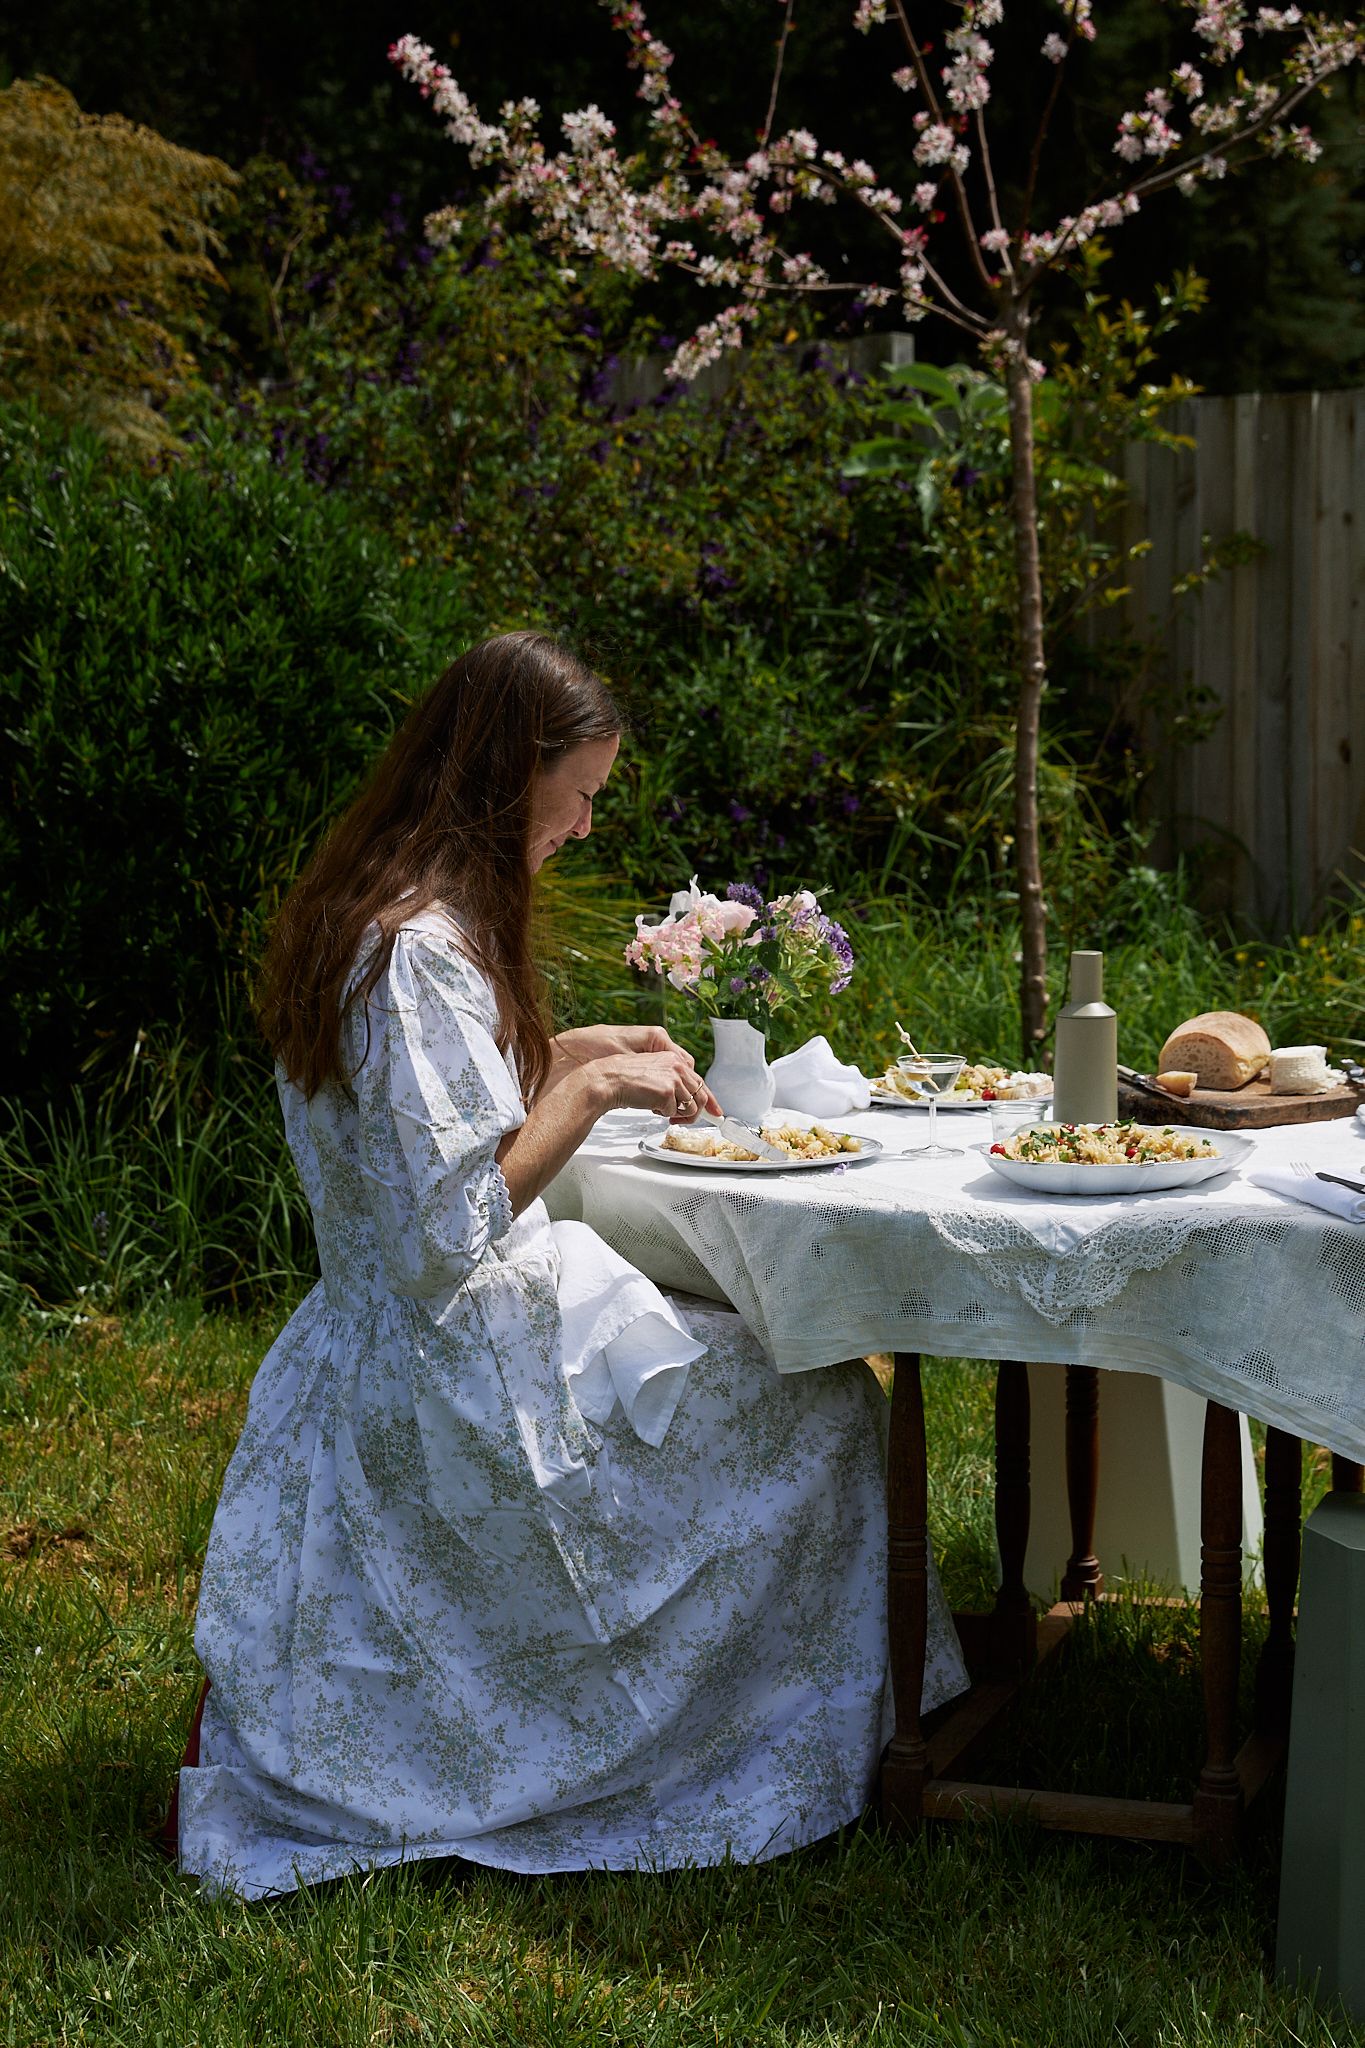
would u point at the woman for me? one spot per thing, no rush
(512, 1561)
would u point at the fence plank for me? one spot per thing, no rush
(1152, 616)
(1332, 809)
(1354, 863)
(1204, 645)
(1277, 792)
(1270, 898)
(1244, 697)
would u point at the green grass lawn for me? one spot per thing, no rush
(112, 1441)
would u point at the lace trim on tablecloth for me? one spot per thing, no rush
(1057, 1284)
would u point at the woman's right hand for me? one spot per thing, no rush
(666, 1082)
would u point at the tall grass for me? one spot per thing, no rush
(172, 1179)
(172, 1175)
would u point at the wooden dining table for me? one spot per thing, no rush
(1251, 1300)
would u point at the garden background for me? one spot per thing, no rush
(253, 501)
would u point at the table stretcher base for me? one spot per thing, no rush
(922, 1775)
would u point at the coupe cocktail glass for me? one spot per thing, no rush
(934, 1073)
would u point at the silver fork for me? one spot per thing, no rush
(1306, 1166)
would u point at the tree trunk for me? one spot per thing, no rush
(1032, 680)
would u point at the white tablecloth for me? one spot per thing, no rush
(1244, 1297)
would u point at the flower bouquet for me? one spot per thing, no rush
(739, 959)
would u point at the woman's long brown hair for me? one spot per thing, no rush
(444, 818)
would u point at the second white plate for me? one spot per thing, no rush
(1132, 1179)
(945, 1102)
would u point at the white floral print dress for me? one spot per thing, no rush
(510, 1564)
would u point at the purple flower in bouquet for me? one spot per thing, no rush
(836, 938)
(745, 892)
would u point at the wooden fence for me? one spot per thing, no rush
(1278, 787)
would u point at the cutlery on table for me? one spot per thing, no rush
(1304, 1167)
(740, 1134)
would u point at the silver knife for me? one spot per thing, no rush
(740, 1134)
(1357, 1187)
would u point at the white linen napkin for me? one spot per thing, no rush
(1323, 1194)
(811, 1079)
(624, 1341)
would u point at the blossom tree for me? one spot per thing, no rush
(724, 220)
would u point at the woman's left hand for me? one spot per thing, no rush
(600, 1041)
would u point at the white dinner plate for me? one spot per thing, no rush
(653, 1148)
(1132, 1179)
(946, 1102)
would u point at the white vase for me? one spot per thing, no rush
(739, 1076)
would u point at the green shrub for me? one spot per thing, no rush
(196, 665)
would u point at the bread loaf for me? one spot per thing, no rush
(1225, 1049)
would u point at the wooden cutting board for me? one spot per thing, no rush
(1236, 1109)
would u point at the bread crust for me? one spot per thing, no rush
(1224, 1048)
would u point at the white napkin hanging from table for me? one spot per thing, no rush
(811, 1079)
(624, 1342)
(1322, 1194)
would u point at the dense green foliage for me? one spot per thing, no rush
(194, 665)
(108, 234)
(198, 661)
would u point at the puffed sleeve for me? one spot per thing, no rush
(435, 1097)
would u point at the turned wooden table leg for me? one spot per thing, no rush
(1275, 1669)
(1347, 1477)
(1218, 1797)
(1082, 1576)
(1014, 1627)
(905, 1766)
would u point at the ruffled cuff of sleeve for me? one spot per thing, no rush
(498, 1200)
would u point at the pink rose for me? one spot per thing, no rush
(733, 918)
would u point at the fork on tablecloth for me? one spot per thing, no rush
(1307, 1168)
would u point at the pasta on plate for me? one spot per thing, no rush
(816, 1143)
(1120, 1144)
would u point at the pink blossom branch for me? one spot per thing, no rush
(1044, 123)
(588, 201)
(983, 275)
(1171, 174)
(988, 171)
(1183, 171)
(777, 72)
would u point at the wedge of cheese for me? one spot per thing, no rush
(1225, 1049)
